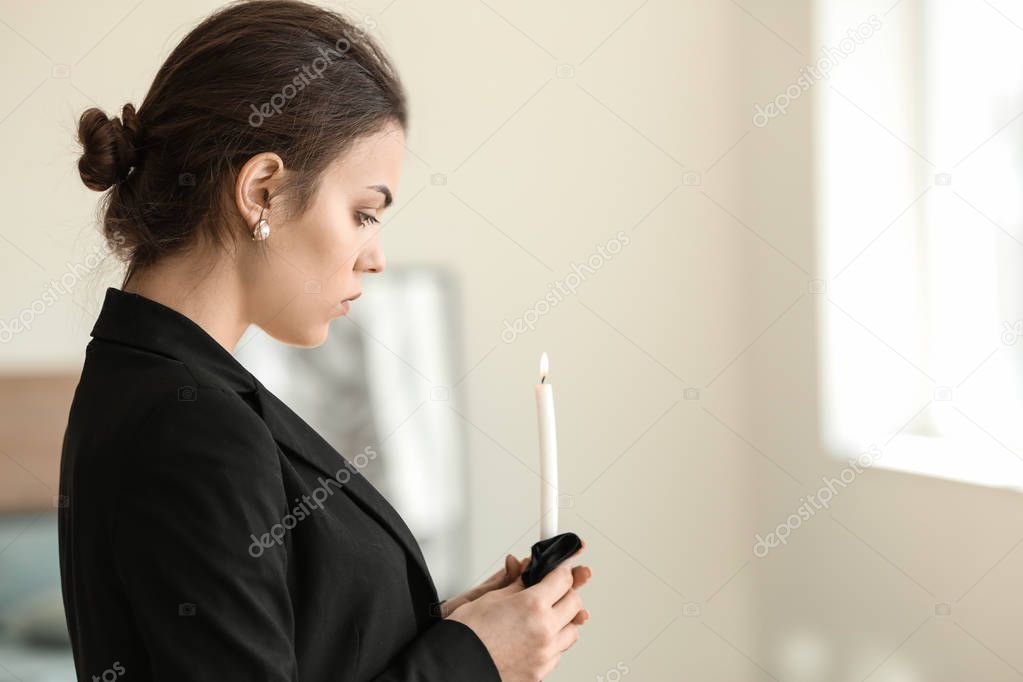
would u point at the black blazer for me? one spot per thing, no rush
(208, 533)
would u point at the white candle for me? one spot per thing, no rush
(548, 454)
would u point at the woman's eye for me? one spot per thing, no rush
(365, 219)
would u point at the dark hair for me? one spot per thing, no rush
(257, 75)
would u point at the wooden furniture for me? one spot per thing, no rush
(33, 416)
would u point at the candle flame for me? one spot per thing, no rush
(543, 368)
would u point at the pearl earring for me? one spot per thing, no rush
(262, 229)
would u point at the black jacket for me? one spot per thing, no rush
(209, 533)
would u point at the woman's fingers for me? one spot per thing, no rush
(581, 575)
(511, 571)
(512, 568)
(568, 636)
(568, 607)
(554, 585)
(500, 573)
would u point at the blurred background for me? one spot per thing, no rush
(773, 249)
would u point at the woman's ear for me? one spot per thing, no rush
(257, 181)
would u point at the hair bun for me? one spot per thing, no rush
(110, 146)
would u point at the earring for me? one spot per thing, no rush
(262, 229)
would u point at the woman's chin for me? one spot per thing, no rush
(307, 337)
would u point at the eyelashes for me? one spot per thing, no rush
(365, 219)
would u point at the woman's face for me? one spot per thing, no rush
(317, 261)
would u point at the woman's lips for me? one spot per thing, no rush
(346, 304)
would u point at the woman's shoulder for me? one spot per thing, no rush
(141, 423)
(112, 365)
(161, 403)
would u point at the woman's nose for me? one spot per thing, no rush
(373, 259)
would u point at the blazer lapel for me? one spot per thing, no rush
(301, 440)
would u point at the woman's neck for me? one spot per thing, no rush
(212, 298)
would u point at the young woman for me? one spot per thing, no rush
(206, 531)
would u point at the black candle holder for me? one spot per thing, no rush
(547, 554)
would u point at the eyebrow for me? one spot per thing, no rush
(383, 190)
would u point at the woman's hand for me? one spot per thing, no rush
(526, 629)
(513, 568)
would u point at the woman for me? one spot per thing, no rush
(206, 531)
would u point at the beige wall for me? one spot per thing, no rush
(646, 129)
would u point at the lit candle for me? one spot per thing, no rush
(548, 454)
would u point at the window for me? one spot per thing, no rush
(920, 210)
